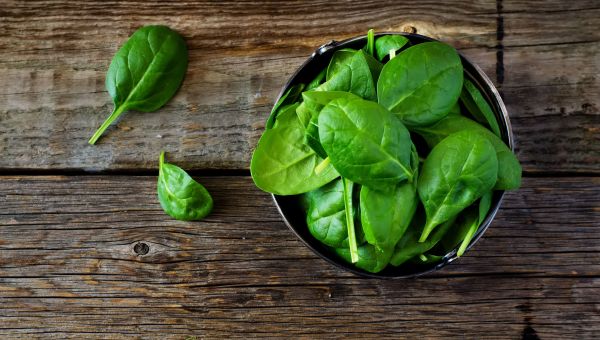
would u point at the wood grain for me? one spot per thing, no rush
(551, 83)
(68, 268)
(54, 55)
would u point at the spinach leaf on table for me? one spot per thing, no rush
(478, 106)
(388, 43)
(366, 143)
(145, 72)
(509, 168)
(179, 195)
(422, 83)
(289, 98)
(282, 164)
(457, 171)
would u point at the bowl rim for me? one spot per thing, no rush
(498, 103)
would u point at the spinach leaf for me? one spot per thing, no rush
(388, 43)
(349, 71)
(386, 215)
(315, 101)
(179, 195)
(326, 216)
(457, 171)
(289, 98)
(369, 258)
(509, 169)
(409, 246)
(282, 164)
(317, 80)
(478, 106)
(422, 83)
(365, 143)
(145, 73)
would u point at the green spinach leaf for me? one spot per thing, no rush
(365, 143)
(282, 164)
(422, 83)
(179, 195)
(317, 80)
(369, 258)
(388, 43)
(386, 215)
(145, 73)
(289, 98)
(349, 71)
(509, 168)
(478, 106)
(458, 171)
(326, 216)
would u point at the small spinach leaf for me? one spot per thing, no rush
(365, 143)
(326, 216)
(145, 72)
(369, 258)
(384, 45)
(289, 98)
(282, 164)
(422, 83)
(478, 106)
(350, 71)
(317, 80)
(457, 171)
(509, 169)
(179, 195)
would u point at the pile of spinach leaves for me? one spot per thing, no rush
(345, 142)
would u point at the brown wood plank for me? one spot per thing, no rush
(54, 55)
(551, 83)
(67, 267)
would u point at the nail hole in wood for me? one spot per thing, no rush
(141, 248)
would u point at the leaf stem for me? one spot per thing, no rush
(467, 239)
(321, 166)
(348, 185)
(426, 231)
(114, 115)
(392, 53)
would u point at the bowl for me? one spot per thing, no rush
(289, 206)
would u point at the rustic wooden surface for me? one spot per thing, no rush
(93, 256)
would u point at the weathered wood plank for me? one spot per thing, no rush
(54, 55)
(68, 266)
(551, 83)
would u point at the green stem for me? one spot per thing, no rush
(467, 239)
(392, 54)
(427, 230)
(114, 115)
(348, 185)
(321, 166)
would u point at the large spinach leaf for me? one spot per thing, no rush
(478, 106)
(389, 44)
(422, 83)
(282, 164)
(509, 169)
(366, 143)
(145, 72)
(457, 171)
(179, 195)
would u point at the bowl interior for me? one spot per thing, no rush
(295, 217)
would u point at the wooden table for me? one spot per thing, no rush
(87, 252)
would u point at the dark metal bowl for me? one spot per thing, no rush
(289, 206)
